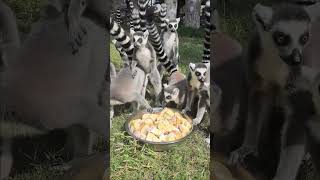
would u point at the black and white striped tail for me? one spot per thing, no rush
(208, 29)
(155, 40)
(142, 12)
(135, 20)
(118, 16)
(163, 14)
(119, 34)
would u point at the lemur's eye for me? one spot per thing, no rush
(168, 97)
(204, 73)
(198, 74)
(170, 25)
(139, 40)
(304, 38)
(175, 26)
(281, 39)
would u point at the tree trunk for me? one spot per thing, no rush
(172, 6)
(192, 10)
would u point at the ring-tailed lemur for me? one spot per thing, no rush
(118, 16)
(176, 91)
(282, 33)
(208, 29)
(135, 20)
(125, 89)
(196, 78)
(143, 4)
(170, 39)
(143, 50)
(119, 34)
(155, 40)
(94, 9)
(84, 113)
(163, 14)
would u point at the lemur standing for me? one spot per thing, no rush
(125, 89)
(275, 50)
(170, 39)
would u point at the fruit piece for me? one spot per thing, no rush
(152, 137)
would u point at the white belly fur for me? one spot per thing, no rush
(143, 55)
(169, 42)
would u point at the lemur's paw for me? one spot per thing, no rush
(149, 110)
(207, 140)
(185, 110)
(134, 74)
(76, 36)
(196, 121)
(238, 156)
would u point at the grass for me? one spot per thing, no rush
(189, 160)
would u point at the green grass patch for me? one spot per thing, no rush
(189, 160)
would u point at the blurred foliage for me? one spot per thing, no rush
(26, 11)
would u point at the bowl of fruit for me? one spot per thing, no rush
(162, 129)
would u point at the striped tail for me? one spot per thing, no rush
(135, 20)
(119, 34)
(155, 41)
(163, 14)
(208, 28)
(142, 12)
(118, 16)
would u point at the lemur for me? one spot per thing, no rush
(274, 52)
(154, 75)
(124, 89)
(170, 39)
(53, 89)
(155, 40)
(196, 78)
(229, 74)
(9, 35)
(74, 9)
(162, 17)
(209, 26)
(176, 91)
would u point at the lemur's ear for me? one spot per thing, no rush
(175, 91)
(167, 21)
(131, 31)
(313, 11)
(178, 20)
(192, 66)
(146, 34)
(262, 16)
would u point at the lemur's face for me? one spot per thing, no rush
(170, 94)
(284, 29)
(199, 71)
(140, 39)
(290, 38)
(173, 25)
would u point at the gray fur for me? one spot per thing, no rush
(145, 55)
(170, 39)
(96, 9)
(271, 60)
(125, 89)
(176, 90)
(52, 89)
(197, 76)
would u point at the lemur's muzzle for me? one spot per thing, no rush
(294, 59)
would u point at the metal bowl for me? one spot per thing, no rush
(157, 146)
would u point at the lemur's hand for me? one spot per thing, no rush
(185, 110)
(76, 36)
